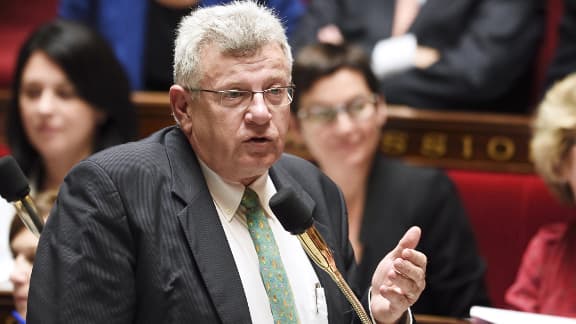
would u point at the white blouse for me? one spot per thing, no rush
(7, 212)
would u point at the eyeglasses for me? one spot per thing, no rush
(359, 108)
(274, 97)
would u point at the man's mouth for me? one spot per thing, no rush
(258, 139)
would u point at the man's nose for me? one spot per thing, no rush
(258, 110)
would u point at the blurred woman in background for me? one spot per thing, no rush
(339, 117)
(23, 246)
(70, 98)
(545, 282)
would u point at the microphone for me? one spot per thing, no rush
(296, 217)
(15, 189)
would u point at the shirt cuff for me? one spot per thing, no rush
(408, 313)
(392, 55)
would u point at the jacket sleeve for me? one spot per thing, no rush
(86, 239)
(494, 50)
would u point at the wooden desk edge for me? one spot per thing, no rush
(433, 319)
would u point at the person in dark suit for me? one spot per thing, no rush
(339, 117)
(438, 54)
(171, 229)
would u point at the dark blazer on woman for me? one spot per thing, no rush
(135, 238)
(401, 196)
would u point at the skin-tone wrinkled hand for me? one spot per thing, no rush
(425, 56)
(399, 279)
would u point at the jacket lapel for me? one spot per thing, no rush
(207, 240)
(204, 233)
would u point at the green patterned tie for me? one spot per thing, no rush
(271, 268)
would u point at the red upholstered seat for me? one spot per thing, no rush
(3, 150)
(17, 20)
(505, 211)
(547, 50)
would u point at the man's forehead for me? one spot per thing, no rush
(244, 52)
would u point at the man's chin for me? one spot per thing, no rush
(259, 164)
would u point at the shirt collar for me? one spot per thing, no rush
(227, 195)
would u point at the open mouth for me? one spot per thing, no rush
(259, 139)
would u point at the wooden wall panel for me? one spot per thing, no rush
(463, 140)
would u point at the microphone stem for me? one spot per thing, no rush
(316, 249)
(347, 291)
(29, 215)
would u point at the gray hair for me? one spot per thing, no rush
(239, 28)
(554, 135)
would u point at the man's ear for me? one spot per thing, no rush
(179, 105)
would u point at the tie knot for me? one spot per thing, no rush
(250, 199)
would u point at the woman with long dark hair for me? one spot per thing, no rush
(70, 98)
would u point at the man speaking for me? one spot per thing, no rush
(177, 228)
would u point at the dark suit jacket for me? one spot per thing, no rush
(401, 196)
(134, 237)
(487, 49)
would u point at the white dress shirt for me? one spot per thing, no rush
(394, 54)
(308, 295)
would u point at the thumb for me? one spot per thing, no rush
(408, 241)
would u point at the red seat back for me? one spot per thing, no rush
(17, 20)
(505, 210)
(3, 150)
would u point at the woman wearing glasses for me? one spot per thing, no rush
(339, 117)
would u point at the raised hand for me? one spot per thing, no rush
(399, 279)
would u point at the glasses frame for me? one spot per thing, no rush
(291, 88)
(372, 99)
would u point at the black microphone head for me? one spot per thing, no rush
(14, 185)
(291, 211)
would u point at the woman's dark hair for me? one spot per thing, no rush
(16, 227)
(99, 79)
(316, 61)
